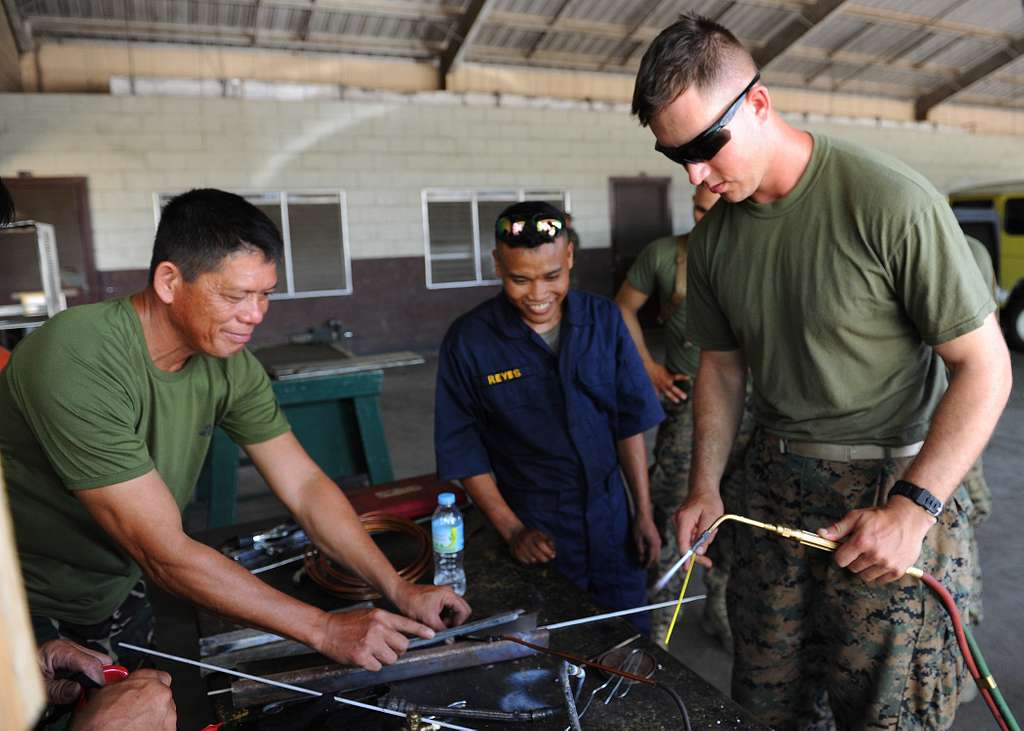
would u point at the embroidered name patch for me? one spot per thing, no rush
(501, 377)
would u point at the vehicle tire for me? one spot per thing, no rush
(1013, 322)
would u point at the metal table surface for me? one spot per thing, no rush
(495, 583)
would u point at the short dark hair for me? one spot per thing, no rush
(530, 212)
(695, 51)
(6, 205)
(199, 228)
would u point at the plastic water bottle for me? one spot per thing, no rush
(446, 529)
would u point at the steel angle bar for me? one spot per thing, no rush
(414, 664)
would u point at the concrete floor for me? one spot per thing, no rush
(407, 410)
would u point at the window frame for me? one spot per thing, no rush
(473, 196)
(289, 271)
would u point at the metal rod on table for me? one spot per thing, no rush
(466, 629)
(278, 564)
(620, 613)
(285, 686)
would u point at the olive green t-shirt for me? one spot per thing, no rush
(836, 294)
(984, 261)
(655, 269)
(83, 407)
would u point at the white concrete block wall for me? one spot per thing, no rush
(382, 153)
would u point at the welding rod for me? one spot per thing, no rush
(661, 583)
(285, 686)
(620, 613)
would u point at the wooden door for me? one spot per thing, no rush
(641, 213)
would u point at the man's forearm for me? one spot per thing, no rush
(636, 332)
(203, 575)
(633, 459)
(962, 425)
(484, 491)
(717, 409)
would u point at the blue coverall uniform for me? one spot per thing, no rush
(547, 427)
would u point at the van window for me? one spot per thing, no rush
(1014, 216)
(984, 203)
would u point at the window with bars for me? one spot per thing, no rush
(458, 231)
(314, 227)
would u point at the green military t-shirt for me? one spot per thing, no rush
(836, 293)
(84, 406)
(655, 269)
(984, 261)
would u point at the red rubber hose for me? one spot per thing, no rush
(954, 614)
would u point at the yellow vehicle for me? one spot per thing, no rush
(994, 214)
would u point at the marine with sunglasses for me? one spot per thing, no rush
(542, 402)
(841, 278)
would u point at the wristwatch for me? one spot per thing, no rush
(931, 504)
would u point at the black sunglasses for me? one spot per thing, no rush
(541, 228)
(706, 145)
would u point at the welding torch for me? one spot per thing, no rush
(805, 537)
(965, 639)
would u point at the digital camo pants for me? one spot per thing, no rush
(816, 646)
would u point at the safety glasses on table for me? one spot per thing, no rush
(540, 228)
(706, 145)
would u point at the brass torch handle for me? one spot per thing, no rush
(805, 537)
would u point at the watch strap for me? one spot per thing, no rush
(921, 497)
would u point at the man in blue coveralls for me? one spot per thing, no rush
(542, 402)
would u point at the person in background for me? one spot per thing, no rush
(660, 270)
(542, 402)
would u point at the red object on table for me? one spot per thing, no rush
(111, 674)
(412, 498)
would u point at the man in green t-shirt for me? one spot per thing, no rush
(661, 269)
(108, 413)
(841, 278)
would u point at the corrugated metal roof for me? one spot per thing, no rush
(905, 49)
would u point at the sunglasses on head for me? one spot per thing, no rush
(706, 145)
(540, 228)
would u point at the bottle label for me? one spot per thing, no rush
(447, 538)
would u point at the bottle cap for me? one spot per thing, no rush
(446, 499)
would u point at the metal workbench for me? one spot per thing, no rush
(496, 583)
(335, 418)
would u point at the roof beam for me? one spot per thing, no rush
(835, 51)
(466, 31)
(625, 47)
(551, 26)
(911, 20)
(899, 51)
(206, 35)
(915, 40)
(256, 7)
(794, 30)
(409, 9)
(19, 29)
(926, 102)
(307, 21)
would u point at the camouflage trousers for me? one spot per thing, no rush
(670, 476)
(131, 621)
(817, 647)
(980, 507)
